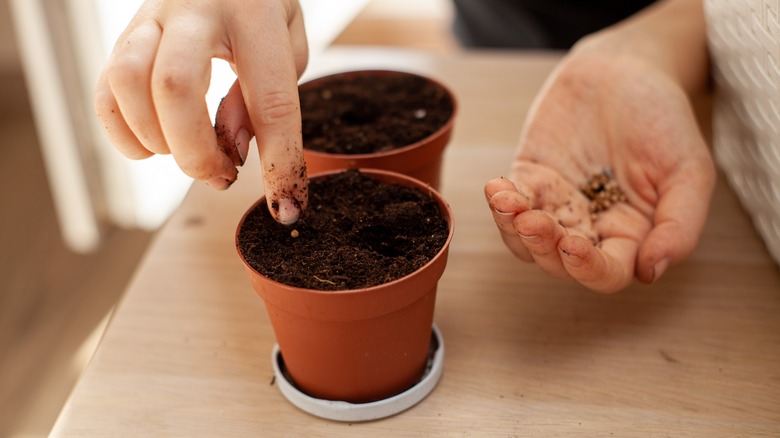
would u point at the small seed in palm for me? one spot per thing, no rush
(603, 192)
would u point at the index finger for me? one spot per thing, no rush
(266, 64)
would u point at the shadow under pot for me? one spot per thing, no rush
(377, 119)
(350, 288)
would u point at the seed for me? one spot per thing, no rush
(603, 192)
(294, 234)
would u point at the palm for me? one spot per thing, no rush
(603, 116)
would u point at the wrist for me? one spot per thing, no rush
(668, 37)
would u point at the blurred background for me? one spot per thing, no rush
(75, 216)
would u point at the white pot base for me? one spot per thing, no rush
(354, 412)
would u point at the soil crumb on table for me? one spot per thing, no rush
(369, 113)
(603, 192)
(357, 232)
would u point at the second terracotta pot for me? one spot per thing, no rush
(421, 159)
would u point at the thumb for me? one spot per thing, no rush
(678, 222)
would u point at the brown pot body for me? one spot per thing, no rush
(421, 160)
(357, 345)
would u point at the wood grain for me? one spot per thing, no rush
(697, 354)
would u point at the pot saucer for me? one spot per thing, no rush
(354, 412)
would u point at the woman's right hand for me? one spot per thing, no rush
(150, 97)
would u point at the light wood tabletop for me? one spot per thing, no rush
(188, 350)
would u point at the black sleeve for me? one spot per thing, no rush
(554, 24)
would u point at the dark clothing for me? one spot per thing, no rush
(551, 24)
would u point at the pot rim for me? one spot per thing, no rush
(444, 207)
(446, 127)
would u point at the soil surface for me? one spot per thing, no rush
(368, 114)
(357, 232)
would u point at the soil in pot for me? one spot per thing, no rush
(364, 114)
(357, 232)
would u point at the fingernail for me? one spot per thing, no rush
(502, 213)
(288, 211)
(219, 183)
(660, 268)
(242, 144)
(531, 239)
(571, 259)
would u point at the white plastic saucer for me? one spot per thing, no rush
(354, 412)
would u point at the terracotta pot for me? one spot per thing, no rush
(357, 345)
(421, 160)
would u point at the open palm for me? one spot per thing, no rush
(613, 116)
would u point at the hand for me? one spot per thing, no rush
(150, 96)
(597, 113)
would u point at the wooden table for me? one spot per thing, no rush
(187, 352)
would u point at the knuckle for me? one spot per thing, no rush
(125, 72)
(173, 82)
(276, 107)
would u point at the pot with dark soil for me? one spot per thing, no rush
(378, 119)
(350, 288)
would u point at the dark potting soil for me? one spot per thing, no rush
(368, 113)
(357, 232)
